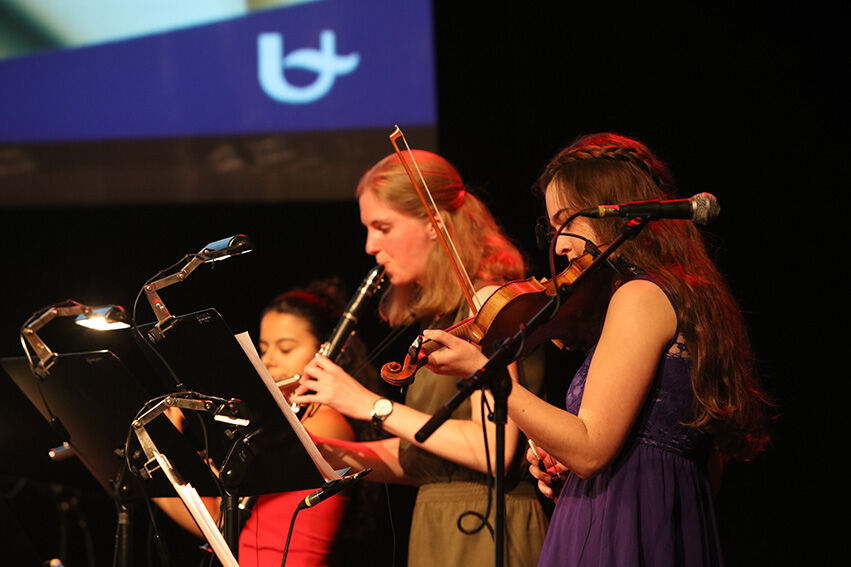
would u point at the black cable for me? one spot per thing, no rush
(555, 240)
(158, 540)
(587, 534)
(392, 525)
(289, 534)
(88, 541)
(39, 380)
(153, 523)
(149, 550)
(256, 538)
(483, 519)
(135, 328)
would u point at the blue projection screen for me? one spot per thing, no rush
(235, 101)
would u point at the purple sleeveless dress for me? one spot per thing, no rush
(653, 505)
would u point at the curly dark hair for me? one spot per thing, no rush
(321, 304)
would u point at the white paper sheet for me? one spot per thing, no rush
(327, 472)
(199, 513)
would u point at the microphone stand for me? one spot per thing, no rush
(494, 376)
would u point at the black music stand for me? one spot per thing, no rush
(90, 399)
(27, 472)
(265, 457)
(25, 441)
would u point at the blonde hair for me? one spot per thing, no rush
(487, 254)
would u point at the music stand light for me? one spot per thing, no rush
(212, 252)
(103, 318)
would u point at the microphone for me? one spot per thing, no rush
(702, 208)
(330, 489)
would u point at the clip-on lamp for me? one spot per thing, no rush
(104, 318)
(213, 252)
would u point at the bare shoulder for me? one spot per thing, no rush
(642, 292)
(643, 303)
(328, 422)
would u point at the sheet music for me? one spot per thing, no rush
(327, 472)
(205, 522)
(199, 513)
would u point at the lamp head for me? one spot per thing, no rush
(212, 252)
(100, 318)
(106, 318)
(225, 248)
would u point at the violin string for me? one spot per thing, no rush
(382, 345)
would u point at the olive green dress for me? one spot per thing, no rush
(448, 490)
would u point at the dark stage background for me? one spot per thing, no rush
(745, 104)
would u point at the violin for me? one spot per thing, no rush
(576, 324)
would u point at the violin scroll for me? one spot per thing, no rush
(417, 355)
(401, 374)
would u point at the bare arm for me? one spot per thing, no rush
(177, 511)
(640, 321)
(381, 456)
(329, 423)
(457, 440)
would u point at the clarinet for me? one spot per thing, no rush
(345, 329)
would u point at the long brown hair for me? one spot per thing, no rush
(486, 252)
(608, 168)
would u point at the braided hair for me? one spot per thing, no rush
(608, 168)
(617, 148)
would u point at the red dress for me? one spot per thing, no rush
(262, 541)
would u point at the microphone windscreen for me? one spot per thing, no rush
(705, 208)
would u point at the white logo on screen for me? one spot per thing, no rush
(272, 65)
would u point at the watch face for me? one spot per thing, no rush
(382, 408)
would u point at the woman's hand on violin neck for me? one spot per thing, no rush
(326, 383)
(459, 358)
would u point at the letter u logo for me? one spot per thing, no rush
(272, 65)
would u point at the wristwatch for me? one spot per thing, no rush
(381, 408)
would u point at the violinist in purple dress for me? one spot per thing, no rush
(668, 389)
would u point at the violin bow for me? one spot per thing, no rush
(436, 220)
